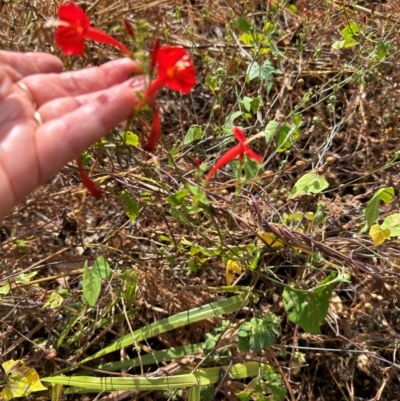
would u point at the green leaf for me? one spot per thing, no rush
(256, 103)
(257, 342)
(339, 44)
(25, 278)
(229, 121)
(372, 210)
(243, 344)
(310, 183)
(91, 284)
(350, 31)
(21, 380)
(55, 301)
(251, 104)
(211, 82)
(131, 207)
(286, 134)
(308, 309)
(247, 38)
(270, 130)
(265, 73)
(246, 102)
(199, 193)
(5, 288)
(102, 268)
(193, 134)
(283, 141)
(243, 24)
(382, 48)
(206, 393)
(275, 50)
(130, 280)
(178, 197)
(130, 138)
(392, 223)
(250, 167)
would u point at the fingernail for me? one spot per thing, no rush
(138, 83)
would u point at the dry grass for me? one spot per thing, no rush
(350, 133)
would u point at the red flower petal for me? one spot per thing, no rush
(239, 134)
(176, 68)
(73, 14)
(253, 155)
(226, 158)
(102, 37)
(237, 151)
(70, 43)
(74, 28)
(87, 182)
(128, 27)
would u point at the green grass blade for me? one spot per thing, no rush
(194, 393)
(201, 377)
(125, 383)
(164, 355)
(173, 322)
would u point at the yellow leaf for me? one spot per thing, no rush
(378, 235)
(21, 380)
(270, 238)
(232, 267)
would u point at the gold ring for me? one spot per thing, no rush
(38, 118)
(25, 88)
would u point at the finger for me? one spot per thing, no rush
(48, 87)
(21, 65)
(58, 107)
(62, 140)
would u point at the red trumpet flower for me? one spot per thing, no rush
(237, 151)
(176, 71)
(73, 27)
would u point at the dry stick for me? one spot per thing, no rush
(23, 337)
(303, 241)
(36, 264)
(285, 379)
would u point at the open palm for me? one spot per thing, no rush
(77, 108)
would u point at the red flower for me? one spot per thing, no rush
(176, 71)
(237, 151)
(73, 27)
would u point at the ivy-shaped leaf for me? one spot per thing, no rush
(130, 138)
(131, 207)
(379, 235)
(21, 380)
(392, 223)
(381, 195)
(310, 183)
(193, 134)
(308, 309)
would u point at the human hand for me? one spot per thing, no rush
(76, 109)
